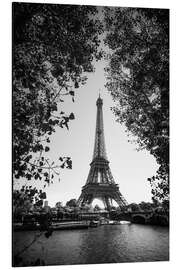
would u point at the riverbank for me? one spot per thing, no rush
(75, 225)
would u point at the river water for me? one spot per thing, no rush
(105, 244)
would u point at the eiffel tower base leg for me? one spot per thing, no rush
(107, 203)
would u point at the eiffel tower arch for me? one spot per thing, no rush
(100, 183)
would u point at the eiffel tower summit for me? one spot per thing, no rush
(100, 183)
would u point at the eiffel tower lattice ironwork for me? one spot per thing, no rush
(100, 183)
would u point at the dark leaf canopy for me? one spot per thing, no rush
(52, 46)
(138, 80)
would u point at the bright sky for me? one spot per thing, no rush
(129, 167)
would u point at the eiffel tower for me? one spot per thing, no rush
(100, 183)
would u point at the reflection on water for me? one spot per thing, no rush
(105, 244)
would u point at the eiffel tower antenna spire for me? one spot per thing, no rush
(100, 182)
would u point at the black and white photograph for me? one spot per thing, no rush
(90, 134)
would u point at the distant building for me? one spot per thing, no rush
(45, 203)
(46, 207)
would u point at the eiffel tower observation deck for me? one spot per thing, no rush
(100, 183)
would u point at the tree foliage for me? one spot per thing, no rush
(138, 80)
(72, 203)
(145, 206)
(134, 207)
(26, 198)
(53, 45)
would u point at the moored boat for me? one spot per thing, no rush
(122, 222)
(70, 225)
(94, 223)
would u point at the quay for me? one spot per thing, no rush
(70, 225)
